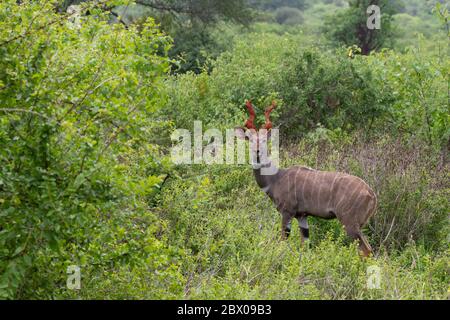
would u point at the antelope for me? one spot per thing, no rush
(300, 192)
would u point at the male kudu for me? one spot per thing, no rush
(299, 192)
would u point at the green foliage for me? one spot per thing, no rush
(194, 47)
(366, 97)
(408, 29)
(289, 16)
(231, 231)
(318, 88)
(204, 10)
(250, 70)
(276, 4)
(349, 27)
(76, 127)
(420, 90)
(321, 88)
(191, 24)
(314, 87)
(87, 110)
(418, 7)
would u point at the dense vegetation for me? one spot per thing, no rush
(91, 94)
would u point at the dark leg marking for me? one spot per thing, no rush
(286, 225)
(305, 233)
(287, 231)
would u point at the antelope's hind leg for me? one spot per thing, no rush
(304, 228)
(364, 245)
(356, 234)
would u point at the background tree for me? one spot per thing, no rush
(289, 16)
(189, 23)
(275, 4)
(349, 27)
(204, 10)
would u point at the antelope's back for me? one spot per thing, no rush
(328, 194)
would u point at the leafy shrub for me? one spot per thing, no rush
(348, 26)
(319, 88)
(420, 104)
(87, 111)
(249, 71)
(312, 87)
(76, 127)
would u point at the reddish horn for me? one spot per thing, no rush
(250, 124)
(267, 113)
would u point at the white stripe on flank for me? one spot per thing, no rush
(312, 186)
(303, 189)
(295, 186)
(343, 197)
(350, 199)
(331, 192)
(319, 192)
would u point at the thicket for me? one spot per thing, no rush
(79, 159)
(87, 109)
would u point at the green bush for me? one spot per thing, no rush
(312, 87)
(419, 86)
(321, 88)
(76, 128)
(85, 177)
(317, 88)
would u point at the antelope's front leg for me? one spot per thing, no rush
(286, 226)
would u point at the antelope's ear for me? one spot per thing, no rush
(240, 133)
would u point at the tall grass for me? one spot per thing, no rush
(230, 229)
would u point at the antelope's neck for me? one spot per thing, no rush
(266, 176)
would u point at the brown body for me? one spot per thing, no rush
(300, 192)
